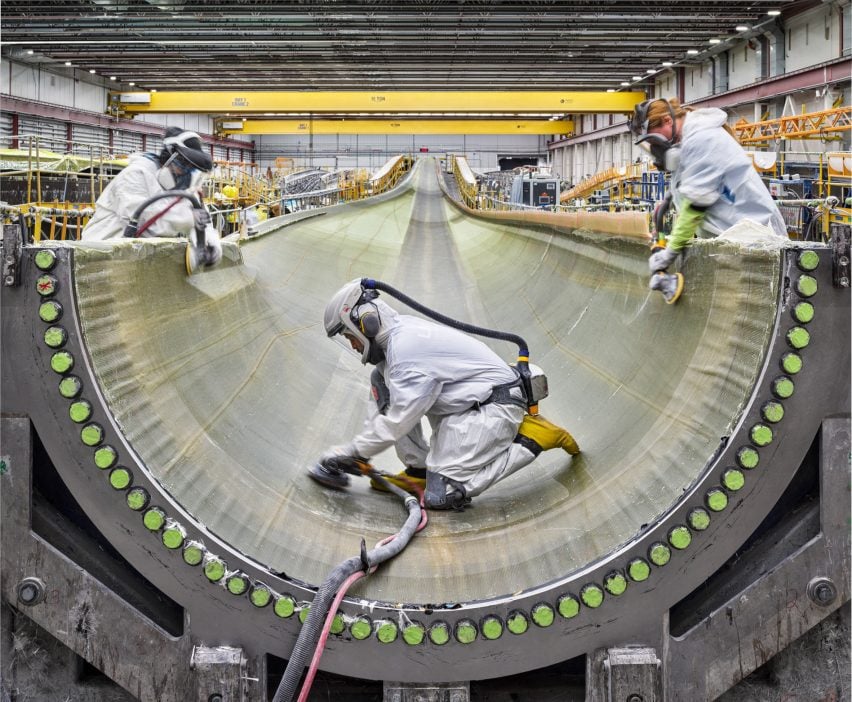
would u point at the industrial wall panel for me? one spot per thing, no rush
(813, 37)
(23, 81)
(743, 65)
(5, 130)
(51, 133)
(89, 97)
(89, 140)
(126, 143)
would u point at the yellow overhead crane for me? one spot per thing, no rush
(394, 126)
(467, 102)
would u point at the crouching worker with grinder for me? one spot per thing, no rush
(476, 404)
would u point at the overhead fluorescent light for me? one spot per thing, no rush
(742, 28)
(774, 13)
(715, 41)
(692, 52)
(668, 63)
(232, 125)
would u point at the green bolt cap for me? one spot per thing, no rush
(466, 631)
(154, 519)
(798, 337)
(338, 626)
(193, 553)
(803, 312)
(747, 457)
(105, 456)
(568, 606)
(80, 411)
(237, 583)
(807, 260)
(61, 362)
(782, 387)
(45, 259)
(638, 570)
(791, 363)
(55, 336)
(592, 595)
(615, 583)
(439, 633)
(414, 633)
(285, 605)
(806, 285)
(772, 411)
(70, 386)
(761, 435)
(716, 499)
(386, 631)
(517, 622)
(659, 554)
(120, 478)
(542, 614)
(173, 534)
(214, 568)
(699, 518)
(491, 627)
(304, 611)
(46, 285)
(138, 499)
(361, 628)
(260, 595)
(50, 311)
(680, 537)
(733, 479)
(92, 434)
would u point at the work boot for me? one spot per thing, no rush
(408, 479)
(670, 284)
(547, 435)
(443, 493)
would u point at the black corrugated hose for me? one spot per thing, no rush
(309, 635)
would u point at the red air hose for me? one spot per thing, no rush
(341, 593)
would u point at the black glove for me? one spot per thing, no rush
(660, 212)
(354, 465)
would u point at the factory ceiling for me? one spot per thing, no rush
(378, 45)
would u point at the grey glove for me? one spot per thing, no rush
(661, 259)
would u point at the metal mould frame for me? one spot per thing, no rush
(623, 597)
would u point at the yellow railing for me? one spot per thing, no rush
(57, 221)
(616, 176)
(466, 180)
(387, 177)
(810, 125)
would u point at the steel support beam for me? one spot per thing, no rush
(401, 126)
(467, 102)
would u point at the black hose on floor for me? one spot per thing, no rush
(309, 635)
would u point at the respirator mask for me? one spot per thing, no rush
(176, 174)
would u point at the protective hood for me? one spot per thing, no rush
(359, 314)
(704, 118)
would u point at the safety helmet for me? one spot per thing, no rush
(663, 151)
(352, 313)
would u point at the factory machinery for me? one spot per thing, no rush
(159, 523)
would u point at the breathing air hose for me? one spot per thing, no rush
(366, 561)
(523, 349)
(132, 228)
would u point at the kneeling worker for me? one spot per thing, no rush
(473, 400)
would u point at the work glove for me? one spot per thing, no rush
(661, 259)
(202, 219)
(660, 212)
(212, 245)
(343, 459)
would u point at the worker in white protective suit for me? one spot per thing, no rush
(181, 165)
(473, 400)
(713, 181)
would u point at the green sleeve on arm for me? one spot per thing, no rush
(686, 224)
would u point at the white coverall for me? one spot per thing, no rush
(435, 371)
(129, 189)
(714, 172)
